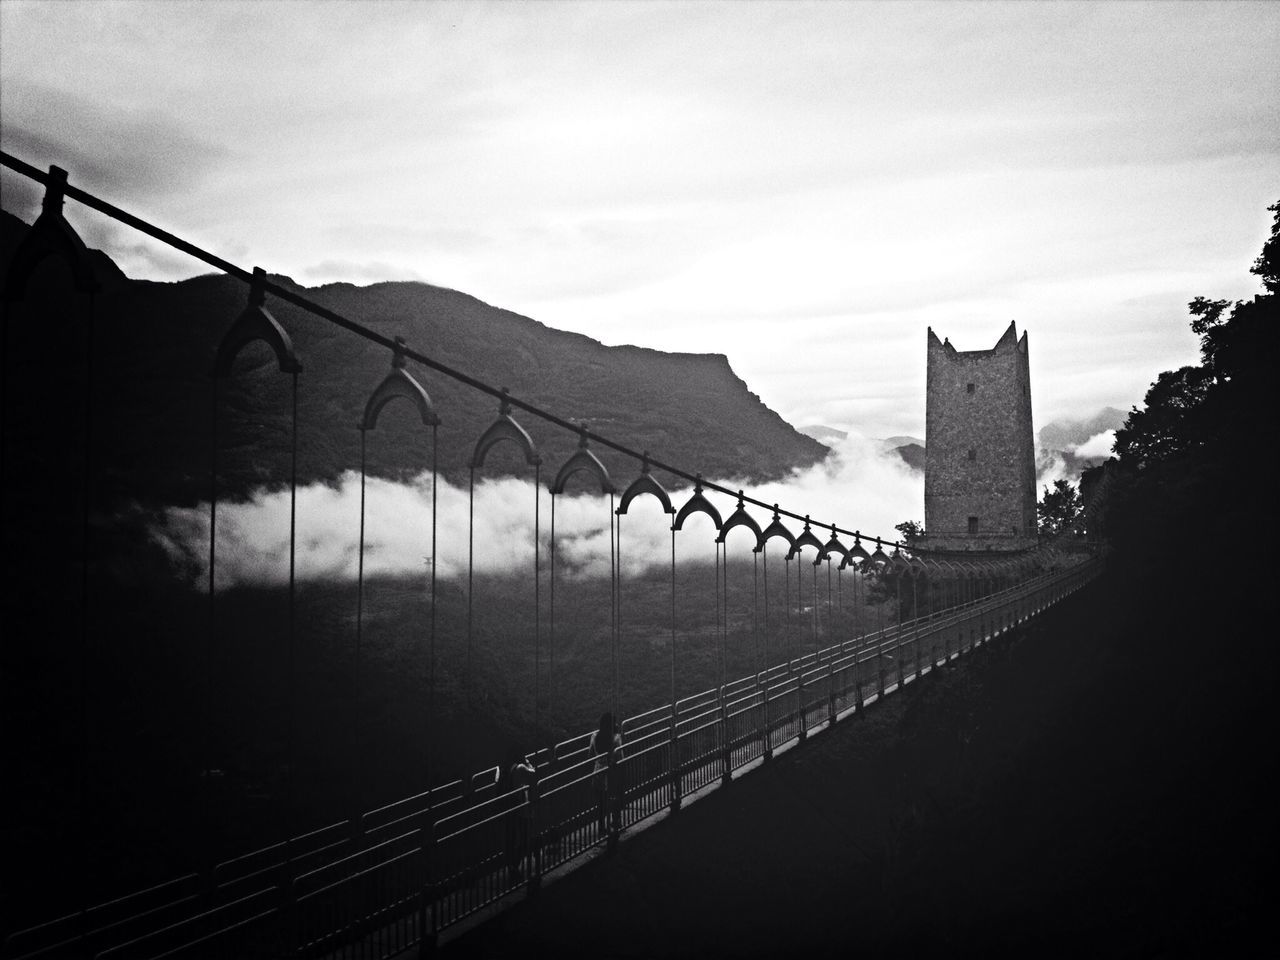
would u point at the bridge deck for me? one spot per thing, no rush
(983, 808)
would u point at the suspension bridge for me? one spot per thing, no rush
(395, 878)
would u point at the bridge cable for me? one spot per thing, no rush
(615, 563)
(212, 638)
(537, 598)
(293, 611)
(765, 550)
(840, 594)
(755, 608)
(880, 628)
(828, 634)
(786, 581)
(673, 631)
(719, 626)
(85, 541)
(355, 673)
(814, 619)
(897, 580)
(551, 615)
(762, 676)
(431, 634)
(471, 564)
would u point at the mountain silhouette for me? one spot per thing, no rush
(155, 344)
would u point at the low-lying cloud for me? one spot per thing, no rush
(856, 487)
(1099, 445)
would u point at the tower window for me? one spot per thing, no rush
(968, 388)
(973, 526)
(973, 454)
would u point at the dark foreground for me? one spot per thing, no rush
(1090, 785)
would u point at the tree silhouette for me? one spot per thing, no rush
(1060, 510)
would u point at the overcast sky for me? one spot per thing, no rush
(804, 187)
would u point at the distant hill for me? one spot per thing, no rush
(156, 342)
(1059, 440)
(912, 454)
(1068, 434)
(820, 432)
(892, 443)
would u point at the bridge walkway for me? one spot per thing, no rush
(804, 854)
(847, 842)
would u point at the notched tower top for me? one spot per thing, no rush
(1008, 343)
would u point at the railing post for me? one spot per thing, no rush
(429, 915)
(426, 913)
(857, 684)
(880, 661)
(534, 833)
(831, 694)
(801, 710)
(677, 787)
(612, 801)
(726, 738)
(915, 645)
(289, 896)
(897, 649)
(766, 734)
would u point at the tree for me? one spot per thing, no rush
(912, 532)
(1171, 422)
(1219, 410)
(1196, 464)
(1060, 510)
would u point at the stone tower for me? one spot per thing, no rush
(980, 468)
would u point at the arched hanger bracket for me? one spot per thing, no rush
(399, 383)
(698, 503)
(505, 428)
(50, 235)
(833, 546)
(806, 539)
(857, 555)
(740, 518)
(645, 484)
(776, 529)
(583, 460)
(255, 323)
(878, 559)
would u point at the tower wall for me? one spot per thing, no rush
(979, 447)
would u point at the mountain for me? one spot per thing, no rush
(1060, 440)
(822, 433)
(892, 443)
(912, 454)
(155, 343)
(1069, 434)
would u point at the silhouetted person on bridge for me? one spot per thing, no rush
(606, 747)
(518, 775)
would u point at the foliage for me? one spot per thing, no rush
(911, 531)
(1195, 463)
(1060, 510)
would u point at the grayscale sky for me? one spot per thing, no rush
(804, 187)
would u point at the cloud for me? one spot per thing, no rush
(856, 487)
(350, 271)
(1098, 445)
(124, 155)
(1050, 468)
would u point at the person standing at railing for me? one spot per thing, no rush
(606, 747)
(518, 775)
